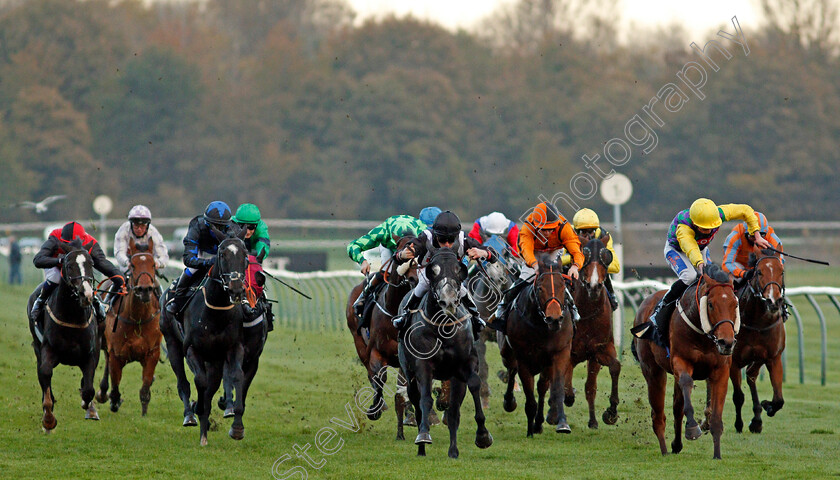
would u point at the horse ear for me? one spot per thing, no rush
(605, 238)
(132, 245)
(432, 269)
(463, 273)
(752, 260)
(216, 232)
(241, 233)
(151, 245)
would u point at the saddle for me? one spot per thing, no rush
(370, 303)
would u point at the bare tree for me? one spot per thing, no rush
(807, 23)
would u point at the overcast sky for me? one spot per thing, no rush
(698, 17)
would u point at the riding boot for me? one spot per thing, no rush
(359, 304)
(498, 320)
(659, 318)
(611, 293)
(411, 304)
(38, 305)
(179, 296)
(100, 308)
(572, 307)
(477, 323)
(366, 297)
(269, 316)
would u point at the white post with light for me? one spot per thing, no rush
(103, 205)
(616, 190)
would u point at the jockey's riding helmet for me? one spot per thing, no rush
(247, 213)
(585, 219)
(217, 213)
(704, 214)
(428, 215)
(545, 216)
(446, 228)
(140, 214)
(495, 224)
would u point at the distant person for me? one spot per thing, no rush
(496, 223)
(739, 244)
(139, 227)
(14, 261)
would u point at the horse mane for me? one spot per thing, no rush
(443, 252)
(547, 259)
(75, 244)
(717, 274)
(768, 252)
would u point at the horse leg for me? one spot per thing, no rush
(149, 363)
(481, 349)
(483, 439)
(737, 397)
(752, 374)
(610, 358)
(378, 376)
(717, 384)
(399, 407)
(457, 390)
(683, 371)
(527, 381)
(656, 381)
(569, 390)
(86, 388)
(46, 363)
(679, 411)
(175, 355)
(509, 362)
(237, 376)
(592, 369)
(102, 394)
(509, 402)
(542, 387)
(202, 409)
(225, 402)
(424, 385)
(557, 374)
(115, 369)
(774, 368)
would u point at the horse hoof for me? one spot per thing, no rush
(190, 421)
(228, 413)
(444, 420)
(144, 408)
(755, 426)
(552, 417)
(770, 407)
(569, 400)
(693, 432)
(237, 433)
(203, 441)
(101, 396)
(705, 426)
(433, 418)
(49, 422)
(400, 436)
(676, 446)
(374, 415)
(739, 425)
(423, 439)
(484, 441)
(593, 424)
(91, 413)
(410, 420)
(115, 406)
(610, 417)
(221, 403)
(509, 404)
(563, 427)
(453, 452)
(538, 428)
(485, 403)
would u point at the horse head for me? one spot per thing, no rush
(77, 272)
(768, 279)
(231, 263)
(596, 260)
(407, 272)
(142, 280)
(446, 274)
(718, 308)
(550, 290)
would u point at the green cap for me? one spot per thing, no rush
(247, 213)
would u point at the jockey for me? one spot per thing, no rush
(258, 243)
(139, 228)
(496, 224)
(385, 236)
(587, 226)
(738, 246)
(256, 238)
(200, 245)
(51, 256)
(690, 233)
(444, 233)
(545, 230)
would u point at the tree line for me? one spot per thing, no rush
(296, 107)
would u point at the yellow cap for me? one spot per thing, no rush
(585, 218)
(704, 214)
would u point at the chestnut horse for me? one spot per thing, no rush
(538, 341)
(593, 341)
(132, 328)
(379, 349)
(701, 342)
(762, 337)
(66, 332)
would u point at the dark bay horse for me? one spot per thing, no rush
(761, 340)
(132, 328)
(701, 339)
(593, 341)
(67, 332)
(539, 342)
(438, 344)
(254, 336)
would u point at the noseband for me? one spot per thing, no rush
(69, 280)
(702, 310)
(759, 292)
(136, 279)
(553, 298)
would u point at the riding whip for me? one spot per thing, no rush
(798, 258)
(287, 285)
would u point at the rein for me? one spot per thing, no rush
(214, 307)
(70, 325)
(702, 310)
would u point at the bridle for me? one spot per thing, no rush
(759, 292)
(701, 304)
(74, 292)
(553, 298)
(225, 279)
(134, 280)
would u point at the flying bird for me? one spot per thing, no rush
(42, 206)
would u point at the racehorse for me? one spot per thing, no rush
(486, 288)
(762, 337)
(380, 348)
(438, 344)
(538, 341)
(211, 337)
(132, 328)
(254, 335)
(66, 333)
(593, 340)
(701, 342)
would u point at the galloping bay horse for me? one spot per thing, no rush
(67, 333)
(593, 341)
(538, 341)
(701, 342)
(132, 327)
